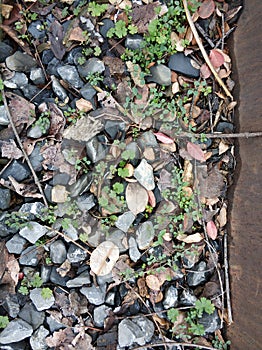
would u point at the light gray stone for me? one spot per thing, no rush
(76, 254)
(37, 76)
(139, 330)
(79, 281)
(134, 42)
(134, 253)
(30, 256)
(144, 175)
(15, 331)
(29, 314)
(40, 302)
(198, 275)
(160, 74)
(17, 81)
(171, 297)
(16, 244)
(58, 252)
(92, 65)
(58, 89)
(5, 198)
(100, 314)
(124, 221)
(69, 74)
(145, 235)
(37, 340)
(20, 62)
(3, 116)
(95, 295)
(33, 231)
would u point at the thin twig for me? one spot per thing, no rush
(229, 309)
(173, 343)
(201, 47)
(205, 36)
(245, 135)
(225, 36)
(223, 31)
(36, 180)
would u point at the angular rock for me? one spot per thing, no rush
(17, 170)
(53, 324)
(106, 24)
(58, 252)
(75, 254)
(88, 92)
(81, 185)
(181, 63)
(134, 42)
(15, 331)
(95, 295)
(39, 302)
(20, 62)
(125, 220)
(33, 231)
(58, 89)
(37, 76)
(171, 297)
(160, 74)
(210, 322)
(5, 51)
(140, 330)
(96, 148)
(79, 281)
(45, 273)
(3, 116)
(134, 253)
(187, 298)
(17, 81)
(31, 256)
(29, 314)
(92, 65)
(145, 235)
(144, 175)
(36, 131)
(11, 305)
(35, 30)
(69, 74)
(16, 244)
(113, 127)
(85, 202)
(5, 198)
(147, 139)
(100, 314)
(37, 340)
(198, 275)
(57, 279)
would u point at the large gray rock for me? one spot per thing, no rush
(29, 314)
(139, 330)
(144, 175)
(145, 235)
(31, 256)
(33, 231)
(95, 295)
(92, 65)
(198, 275)
(171, 298)
(40, 302)
(37, 340)
(20, 62)
(125, 220)
(16, 244)
(58, 252)
(5, 198)
(100, 314)
(18, 170)
(15, 331)
(69, 74)
(17, 81)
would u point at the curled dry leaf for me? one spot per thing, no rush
(103, 258)
(153, 282)
(211, 230)
(206, 8)
(205, 71)
(196, 152)
(136, 197)
(216, 58)
(195, 238)
(25, 190)
(163, 138)
(22, 111)
(222, 216)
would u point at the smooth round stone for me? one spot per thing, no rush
(20, 62)
(40, 302)
(58, 252)
(5, 198)
(5, 51)
(181, 63)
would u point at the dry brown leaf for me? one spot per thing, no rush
(84, 129)
(103, 258)
(206, 8)
(222, 216)
(196, 152)
(9, 269)
(136, 197)
(84, 105)
(77, 34)
(10, 150)
(22, 111)
(195, 238)
(211, 229)
(153, 282)
(216, 58)
(25, 190)
(6, 10)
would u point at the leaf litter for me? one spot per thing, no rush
(114, 167)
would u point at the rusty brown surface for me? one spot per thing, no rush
(246, 205)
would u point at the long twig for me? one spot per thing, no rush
(245, 135)
(36, 180)
(173, 343)
(229, 309)
(201, 47)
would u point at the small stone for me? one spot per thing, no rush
(171, 298)
(5, 51)
(11, 305)
(29, 314)
(17, 81)
(81, 185)
(47, 56)
(3, 116)
(36, 158)
(17, 170)
(125, 220)
(69, 74)
(225, 127)
(144, 175)
(147, 139)
(187, 298)
(76, 254)
(35, 30)
(33, 231)
(160, 74)
(45, 273)
(36, 131)
(33, 92)
(87, 92)
(145, 235)
(5, 198)
(57, 252)
(88, 24)
(100, 314)
(198, 275)
(58, 89)
(20, 62)
(37, 340)
(15, 331)
(134, 253)
(102, 280)
(106, 24)
(59, 194)
(79, 281)
(39, 302)
(53, 324)
(134, 42)
(95, 295)
(37, 76)
(85, 202)
(32, 210)
(181, 63)
(92, 65)
(16, 244)
(31, 256)
(96, 148)
(210, 322)
(57, 279)
(52, 66)
(118, 237)
(113, 127)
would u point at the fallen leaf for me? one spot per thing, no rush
(10, 150)
(153, 282)
(103, 258)
(151, 199)
(211, 229)
(56, 36)
(76, 34)
(22, 111)
(163, 138)
(196, 152)
(25, 190)
(84, 105)
(59, 338)
(222, 216)
(84, 129)
(216, 58)
(205, 71)
(136, 197)
(195, 238)
(206, 8)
